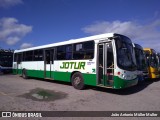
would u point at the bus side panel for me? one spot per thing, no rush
(14, 71)
(47, 74)
(89, 79)
(14, 68)
(40, 69)
(35, 73)
(62, 76)
(34, 69)
(64, 69)
(17, 71)
(20, 71)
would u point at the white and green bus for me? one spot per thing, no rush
(105, 60)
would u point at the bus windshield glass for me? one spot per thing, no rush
(6, 59)
(158, 59)
(153, 60)
(140, 59)
(125, 54)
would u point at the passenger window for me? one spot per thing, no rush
(84, 50)
(38, 55)
(64, 52)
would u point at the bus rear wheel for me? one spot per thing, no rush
(78, 81)
(24, 74)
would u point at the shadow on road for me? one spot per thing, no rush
(4, 74)
(127, 91)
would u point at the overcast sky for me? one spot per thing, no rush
(27, 23)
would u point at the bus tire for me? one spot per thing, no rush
(78, 81)
(24, 74)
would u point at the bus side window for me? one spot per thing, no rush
(29, 56)
(83, 50)
(38, 55)
(35, 56)
(68, 52)
(24, 54)
(47, 56)
(64, 52)
(61, 54)
(19, 59)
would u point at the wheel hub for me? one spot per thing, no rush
(77, 81)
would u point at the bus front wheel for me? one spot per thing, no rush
(24, 74)
(78, 81)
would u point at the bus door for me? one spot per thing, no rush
(105, 64)
(48, 63)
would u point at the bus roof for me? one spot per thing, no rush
(6, 51)
(150, 50)
(138, 46)
(95, 37)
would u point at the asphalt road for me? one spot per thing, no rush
(18, 94)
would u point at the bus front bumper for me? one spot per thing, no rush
(121, 83)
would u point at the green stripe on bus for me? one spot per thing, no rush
(89, 79)
(35, 73)
(17, 71)
(62, 76)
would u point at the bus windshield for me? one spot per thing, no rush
(158, 59)
(151, 59)
(125, 54)
(6, 59)
(140, 59)
(154, 61)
